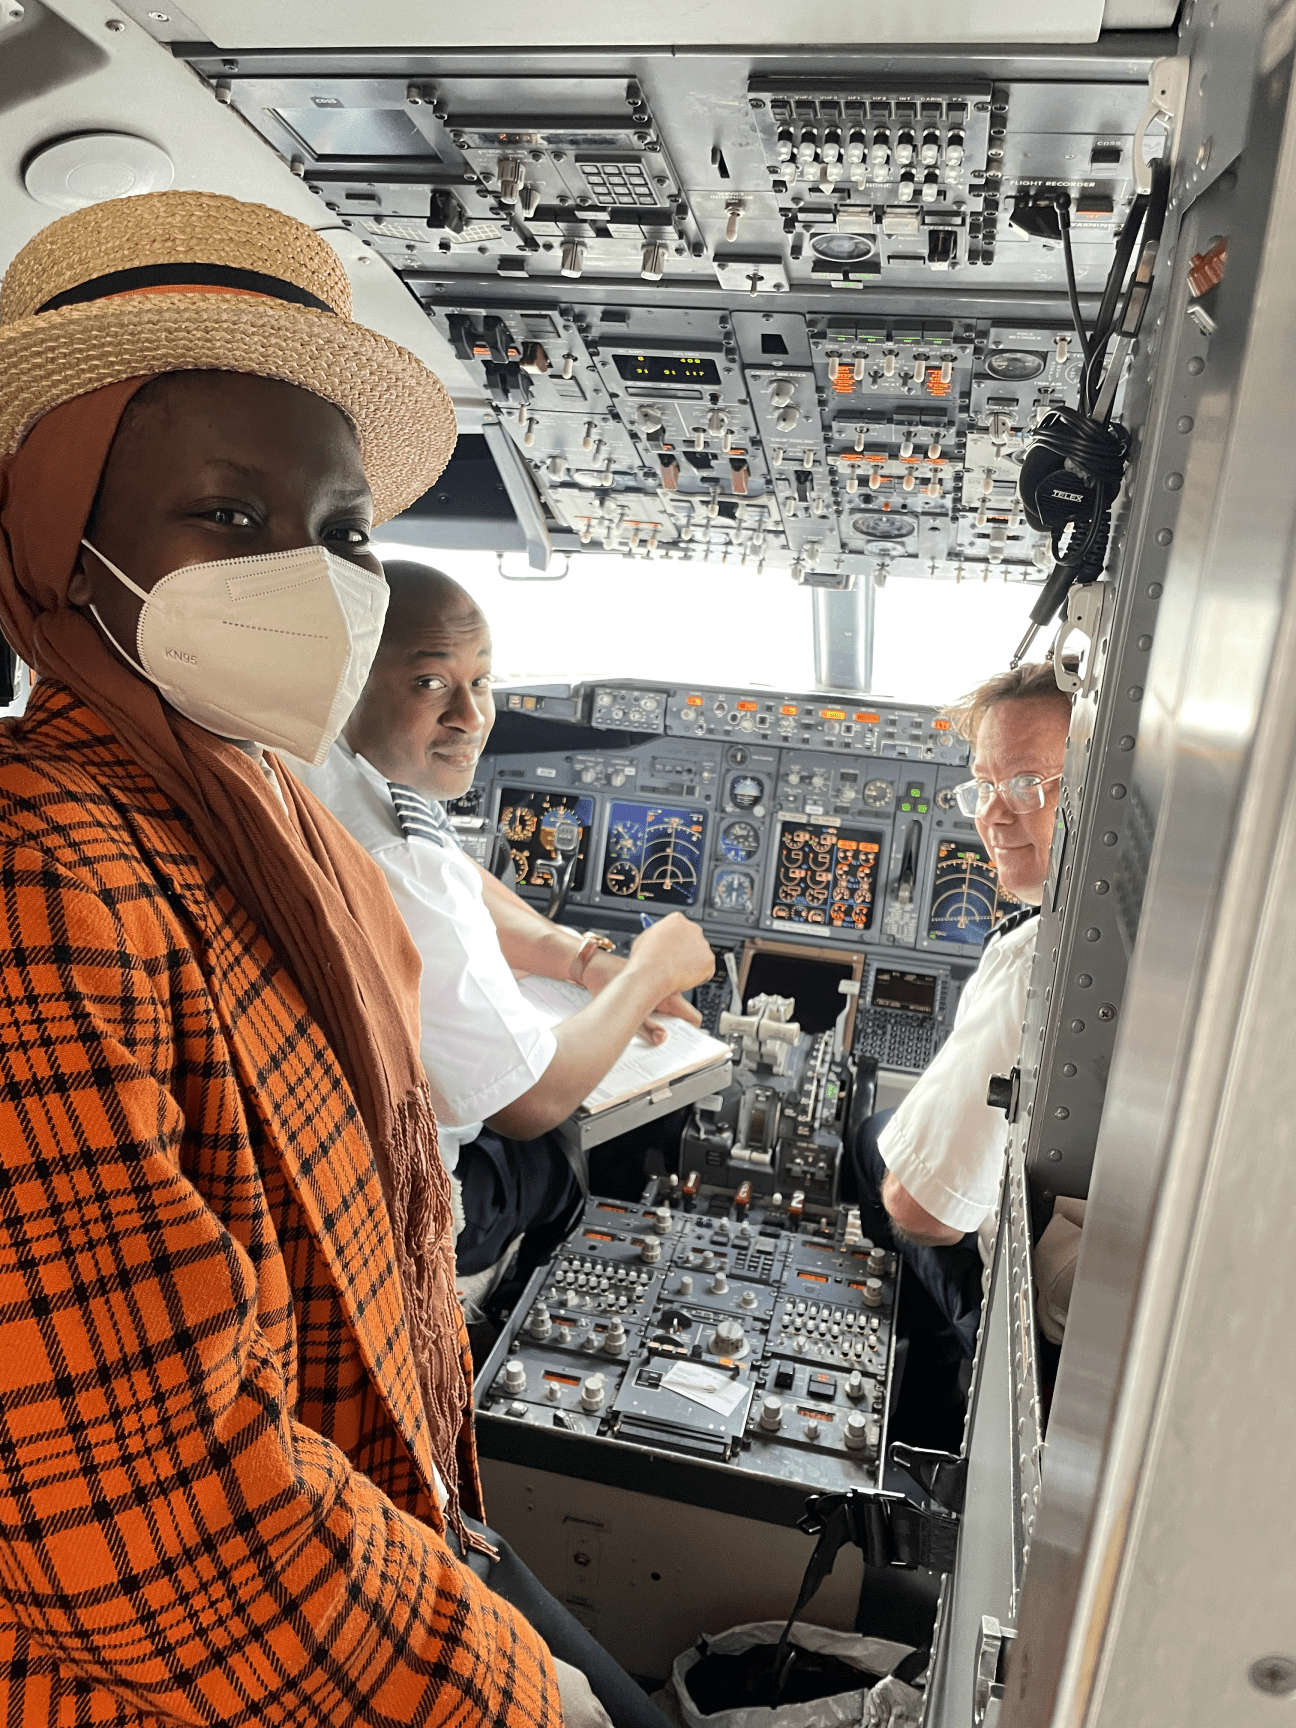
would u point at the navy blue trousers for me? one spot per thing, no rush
(511, 1188)
(950, 1276)
(625, 1701)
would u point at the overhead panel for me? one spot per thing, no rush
(338, 23)
(726, 307)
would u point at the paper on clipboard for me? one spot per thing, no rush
(641, 1067)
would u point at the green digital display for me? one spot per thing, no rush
(667, 369)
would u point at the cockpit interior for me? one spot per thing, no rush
(810, 370)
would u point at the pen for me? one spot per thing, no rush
(645, 921)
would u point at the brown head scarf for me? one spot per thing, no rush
(347, 950)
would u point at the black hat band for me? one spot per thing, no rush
(162, 276)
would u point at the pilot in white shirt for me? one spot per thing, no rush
(500, 1077)
(936, 1165)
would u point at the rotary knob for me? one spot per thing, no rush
(591, 1396)
(728, 1339)
(515, 1376)
(856, 1435)
(539, 1324)
(650, 1250)
(856, 1385)
(771, 1415)
(719, 1284)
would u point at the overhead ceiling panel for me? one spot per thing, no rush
(647, 23)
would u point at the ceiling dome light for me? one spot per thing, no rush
(95, 166)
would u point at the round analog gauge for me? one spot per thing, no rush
(878, 794)
(746, 791)
(520, 823)
(843, 248)
(945, 798)
(1016, 364)
(740, 841)
(621, 878)
(734, 891)
(882, 525)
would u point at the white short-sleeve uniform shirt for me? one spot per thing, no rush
(482, 1043)
(945, 1145)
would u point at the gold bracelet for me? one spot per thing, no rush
(588, 949)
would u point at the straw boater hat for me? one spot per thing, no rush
(186, 281)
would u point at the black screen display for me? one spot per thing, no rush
(911, 992)
(667, 369)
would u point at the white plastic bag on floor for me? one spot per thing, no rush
(872, 1656)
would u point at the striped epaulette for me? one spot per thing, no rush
(1013, 921)
(421, 818)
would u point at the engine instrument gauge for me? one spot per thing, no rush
(878, 794)
(734, 891)
(740, 841)
(967, 901)
(826, 874)
(746, 791)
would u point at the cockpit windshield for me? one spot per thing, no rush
(667, 620)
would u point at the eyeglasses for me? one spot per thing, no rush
(1022, 794)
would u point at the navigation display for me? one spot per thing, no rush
(910, 992)
(526, 817)
(826, 875)
(967, 901)
(654, 852)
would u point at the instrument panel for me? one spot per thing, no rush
(829, 831)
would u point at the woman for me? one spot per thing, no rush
(235, 1435)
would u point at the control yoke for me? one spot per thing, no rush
(563, 836)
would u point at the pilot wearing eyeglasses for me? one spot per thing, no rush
(935, 1165)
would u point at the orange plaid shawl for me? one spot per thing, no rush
(215, 1474)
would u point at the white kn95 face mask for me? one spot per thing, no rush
(273, 648)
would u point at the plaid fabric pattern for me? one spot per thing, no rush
(216, 1495)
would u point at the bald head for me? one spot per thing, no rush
(427, 709)
(421, 601)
